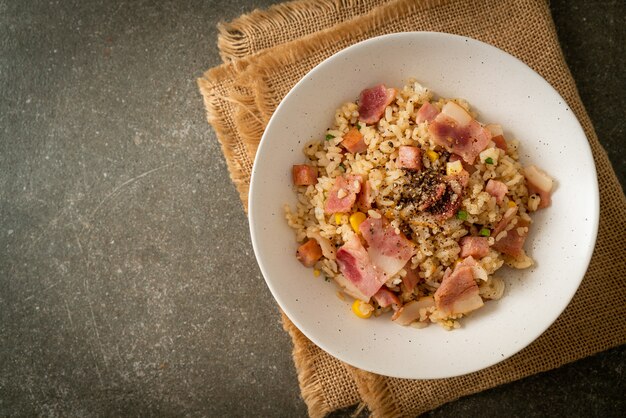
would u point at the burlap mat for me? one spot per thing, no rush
(268, 52)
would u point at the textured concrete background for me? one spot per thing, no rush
(127, 280)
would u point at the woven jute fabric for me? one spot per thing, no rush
(240, 97)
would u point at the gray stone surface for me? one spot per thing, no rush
(128, 285)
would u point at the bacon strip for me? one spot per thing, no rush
(455, 130)
(458, 293)
(355, 264)
(388, 250)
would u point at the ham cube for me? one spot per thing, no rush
(409, 158)
(458, 293)
(342, 196)
(474, 246)
(304, 175)
(353, 141)
(309, 253)
(374, 101)
(497, 189)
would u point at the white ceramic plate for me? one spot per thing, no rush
(503, 90)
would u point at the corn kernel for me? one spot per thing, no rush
(511, 204)
(356, 219)
(338, 218)
(432, 155)
(316, 273)
(362, 309)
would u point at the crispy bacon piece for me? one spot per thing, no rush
(342, 196)
(500, 142)
(356, 266)
(304, 175)
(409, 157)
(512, 244)
(353, 141)
(373, 101)
(309, 252)
(458, 293)
(474, 246)
(410, 280)
(426, 113)
(386, 297)
(459, 133)
(388, 250)
(539, 183)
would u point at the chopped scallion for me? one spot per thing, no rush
(462, 215)
(484, 232)
(358, 126)
(489, 160)
(342, 167)
(329, 137)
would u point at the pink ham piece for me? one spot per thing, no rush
(474, 246)
(497, 189)
(426, 113)
(410, 280)
(365, 197)
(342, 196)
(356, 266)
(539, 183)
(309, 252)
(304, 175)
(458, 293)
(372, 102)
(388, 250)
(409, 157)
(384, 297)
(455, 130)
(512, 244)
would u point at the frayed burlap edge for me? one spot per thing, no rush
(238, 38)
(257, 78)
(214, 103)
